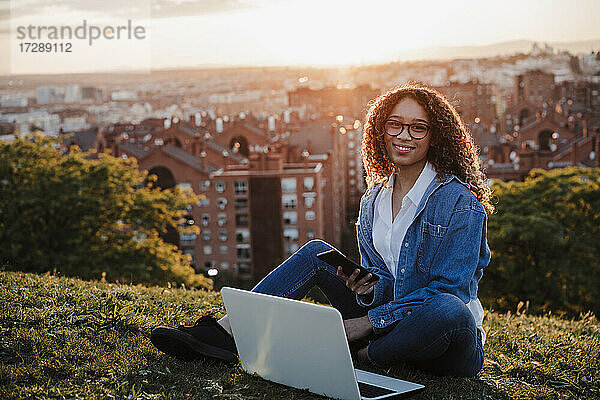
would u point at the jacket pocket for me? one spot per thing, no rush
(431, 239)
(434, 230)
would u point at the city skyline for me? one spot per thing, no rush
(268, 32)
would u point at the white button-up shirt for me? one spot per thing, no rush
(383, 226)
(384, 229)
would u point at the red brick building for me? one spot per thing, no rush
(516, 162)
(257, 215)
(534, 87)
(539, 139)
(321, 140)
(474, 101)
(347, 101)
(548, 126)
(255, 211)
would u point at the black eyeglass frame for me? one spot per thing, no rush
(402, 125)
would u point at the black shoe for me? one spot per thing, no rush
(205, 339)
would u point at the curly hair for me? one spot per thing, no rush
(451, 148)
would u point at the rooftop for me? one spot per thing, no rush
(288, 169)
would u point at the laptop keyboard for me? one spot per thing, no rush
(371, 391)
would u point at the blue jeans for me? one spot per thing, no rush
(440, 336)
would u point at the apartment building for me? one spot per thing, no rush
(254, 216)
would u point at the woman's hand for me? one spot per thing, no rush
(357, 328)
(357, 286)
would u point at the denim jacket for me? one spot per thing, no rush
(444, 251)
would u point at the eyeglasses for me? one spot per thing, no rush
(416, 131)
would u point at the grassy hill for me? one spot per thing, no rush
(67, 338)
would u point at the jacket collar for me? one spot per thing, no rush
(366, 218)
(439, 181)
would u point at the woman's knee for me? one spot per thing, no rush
(451, 311)
(314, 247)
(444, 323)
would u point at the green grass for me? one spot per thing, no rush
(67, 338)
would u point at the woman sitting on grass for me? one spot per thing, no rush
(421, 229)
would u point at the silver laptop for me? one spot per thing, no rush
(302, 345)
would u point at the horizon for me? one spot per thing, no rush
(215, 66)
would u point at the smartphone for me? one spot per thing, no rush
(335, 259)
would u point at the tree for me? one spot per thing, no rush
(84, 217)
(545, 242)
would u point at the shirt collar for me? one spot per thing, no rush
(425, 177)
(414, 195)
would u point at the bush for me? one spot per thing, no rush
(85, 217)
(545, 242)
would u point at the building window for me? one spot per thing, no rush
(223, 249)
(244, 267)
(351, 163)
(290, 217)
(310, 233)
(243, 252)
(290, 234)
(220, 186)
(309, 183)
(288, 185)
(291, 249)
(289, 201)
(224, 265)
(207, 250)
(352, 172)
(208, 265)
(241, 219)
(351, 144)
(222, 219)
(205, 219)
(206, 235)
(240, 203)
(309, 199)
(203, 202)
(242, 236)
(222, 235)
(221, 203)
(309, 215)
(240, 187)
(204, 185)
(187, 239)
(352, 182)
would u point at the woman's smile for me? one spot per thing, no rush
(402, 149)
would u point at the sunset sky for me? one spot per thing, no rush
(317, 32)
